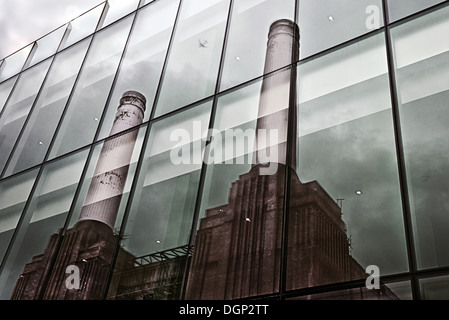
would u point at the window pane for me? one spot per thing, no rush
(161, 213)
(82, 26)
(248, 35)
(44, 118)
(13, 196)
(398, 9)
(14, 63)
(45, 215)
(327, 23)
(194, 58)
(117, 9)
(422, 71)
(118, 154)
(5, 90)
(388, 291)
(238, 240)
(345, 210)
(88, 100)
(435, 288)
(47, 45)
(18, 106)
(142, 64)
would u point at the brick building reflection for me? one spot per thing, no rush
(238, 246)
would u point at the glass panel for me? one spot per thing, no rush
(44, 118)
(422, 71)
(18, 106)
(118, 154)
(14, 63)
(117, 9)
(47, 45)
(82, 26)
(386, 291)
(238, 240)
(29, 256)
(398, 9)
(248, 35)
(435, 288)
(86, 105)
(160, 219)
(5, 90)
(144, 2)
(195, 54)
(142, 64)
(13, 195)
(327, 23)
(345, 211)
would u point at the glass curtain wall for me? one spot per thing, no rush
(157, 227)
(422, 71)
(35, 138)
(285, 146)
(43, 217)
(345, 202)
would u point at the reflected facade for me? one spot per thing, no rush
(182, 149)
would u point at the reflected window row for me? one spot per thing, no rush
(194, 74)
(326, 17)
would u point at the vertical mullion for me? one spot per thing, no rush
(400, 154)
(291, 139)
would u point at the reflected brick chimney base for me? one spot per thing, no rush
(88, 246)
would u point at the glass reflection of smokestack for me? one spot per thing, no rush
(105, 191)
(278, 93)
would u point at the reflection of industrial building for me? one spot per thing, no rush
(90, 244)
(237, 250)
(238, 246)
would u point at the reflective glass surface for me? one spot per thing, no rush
(162, 207)
(19, 105)
(129, 143)
(228, 149)
(5, 91)
(387, 291)
(345, 206)
(13, 196)
(142, 64)
(47, 45)
(116, 9)
(326, 23)
(192, 66)
(422, 71)
(35, 139)
(237, 245)
(248, 36)
(398, 9)
(14, 63)
(81, 27)
(436, 288)
(88, 100)
(44, 216)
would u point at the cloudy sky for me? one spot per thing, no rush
(23, 21)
